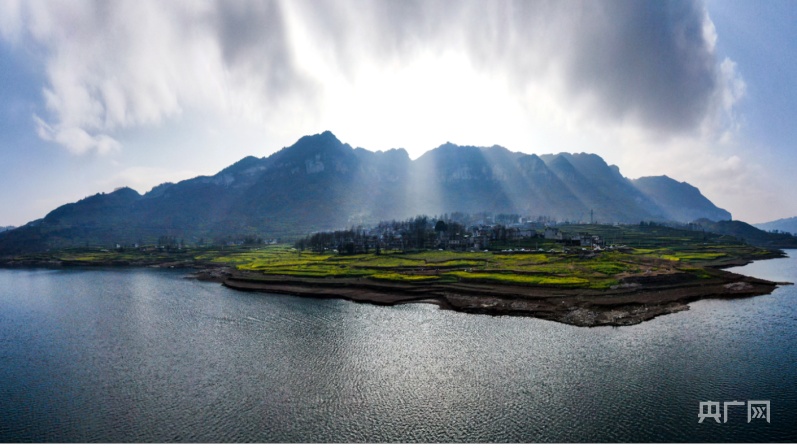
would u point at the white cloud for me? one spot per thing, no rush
(75, 139)
(11, 20)
(131, 64)
(640, 83)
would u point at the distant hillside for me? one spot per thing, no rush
(320, 183)
(782, 225)
(681, 201)
(3, 229)
(749, 234)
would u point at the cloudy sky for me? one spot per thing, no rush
(95, 94)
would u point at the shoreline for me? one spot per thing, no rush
(637, 300)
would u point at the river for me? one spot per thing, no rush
(145, 355)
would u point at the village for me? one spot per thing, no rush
(425, 233)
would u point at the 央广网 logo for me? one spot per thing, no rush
(756, 409)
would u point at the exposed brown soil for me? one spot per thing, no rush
(636, 299)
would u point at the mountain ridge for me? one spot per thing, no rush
(780, 225)
(321, 183)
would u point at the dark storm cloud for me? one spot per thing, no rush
(253, 38)
(646, 59)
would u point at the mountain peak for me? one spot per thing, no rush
(324, 137)
(125, 192)
(559, 161)
(447, 146)
(311, 146)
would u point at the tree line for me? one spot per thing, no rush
(419, 233)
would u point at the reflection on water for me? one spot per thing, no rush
(145, 355)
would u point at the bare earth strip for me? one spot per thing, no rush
(636, 300)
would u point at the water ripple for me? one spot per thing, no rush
(147, 356)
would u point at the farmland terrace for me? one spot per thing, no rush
(662, 273)
(617, 287)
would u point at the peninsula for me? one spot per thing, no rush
(622, 287)
(648, 271)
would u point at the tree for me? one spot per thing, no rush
(441, 226)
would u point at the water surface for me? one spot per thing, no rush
(145, 355)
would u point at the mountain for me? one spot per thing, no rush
(781, 225)
(749, 234)
(320, 183)
(3, 229)
(679, 200)
(602, 189)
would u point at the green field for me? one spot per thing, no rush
(636, 250)
(582, 269)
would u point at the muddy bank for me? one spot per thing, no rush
(636, 299)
